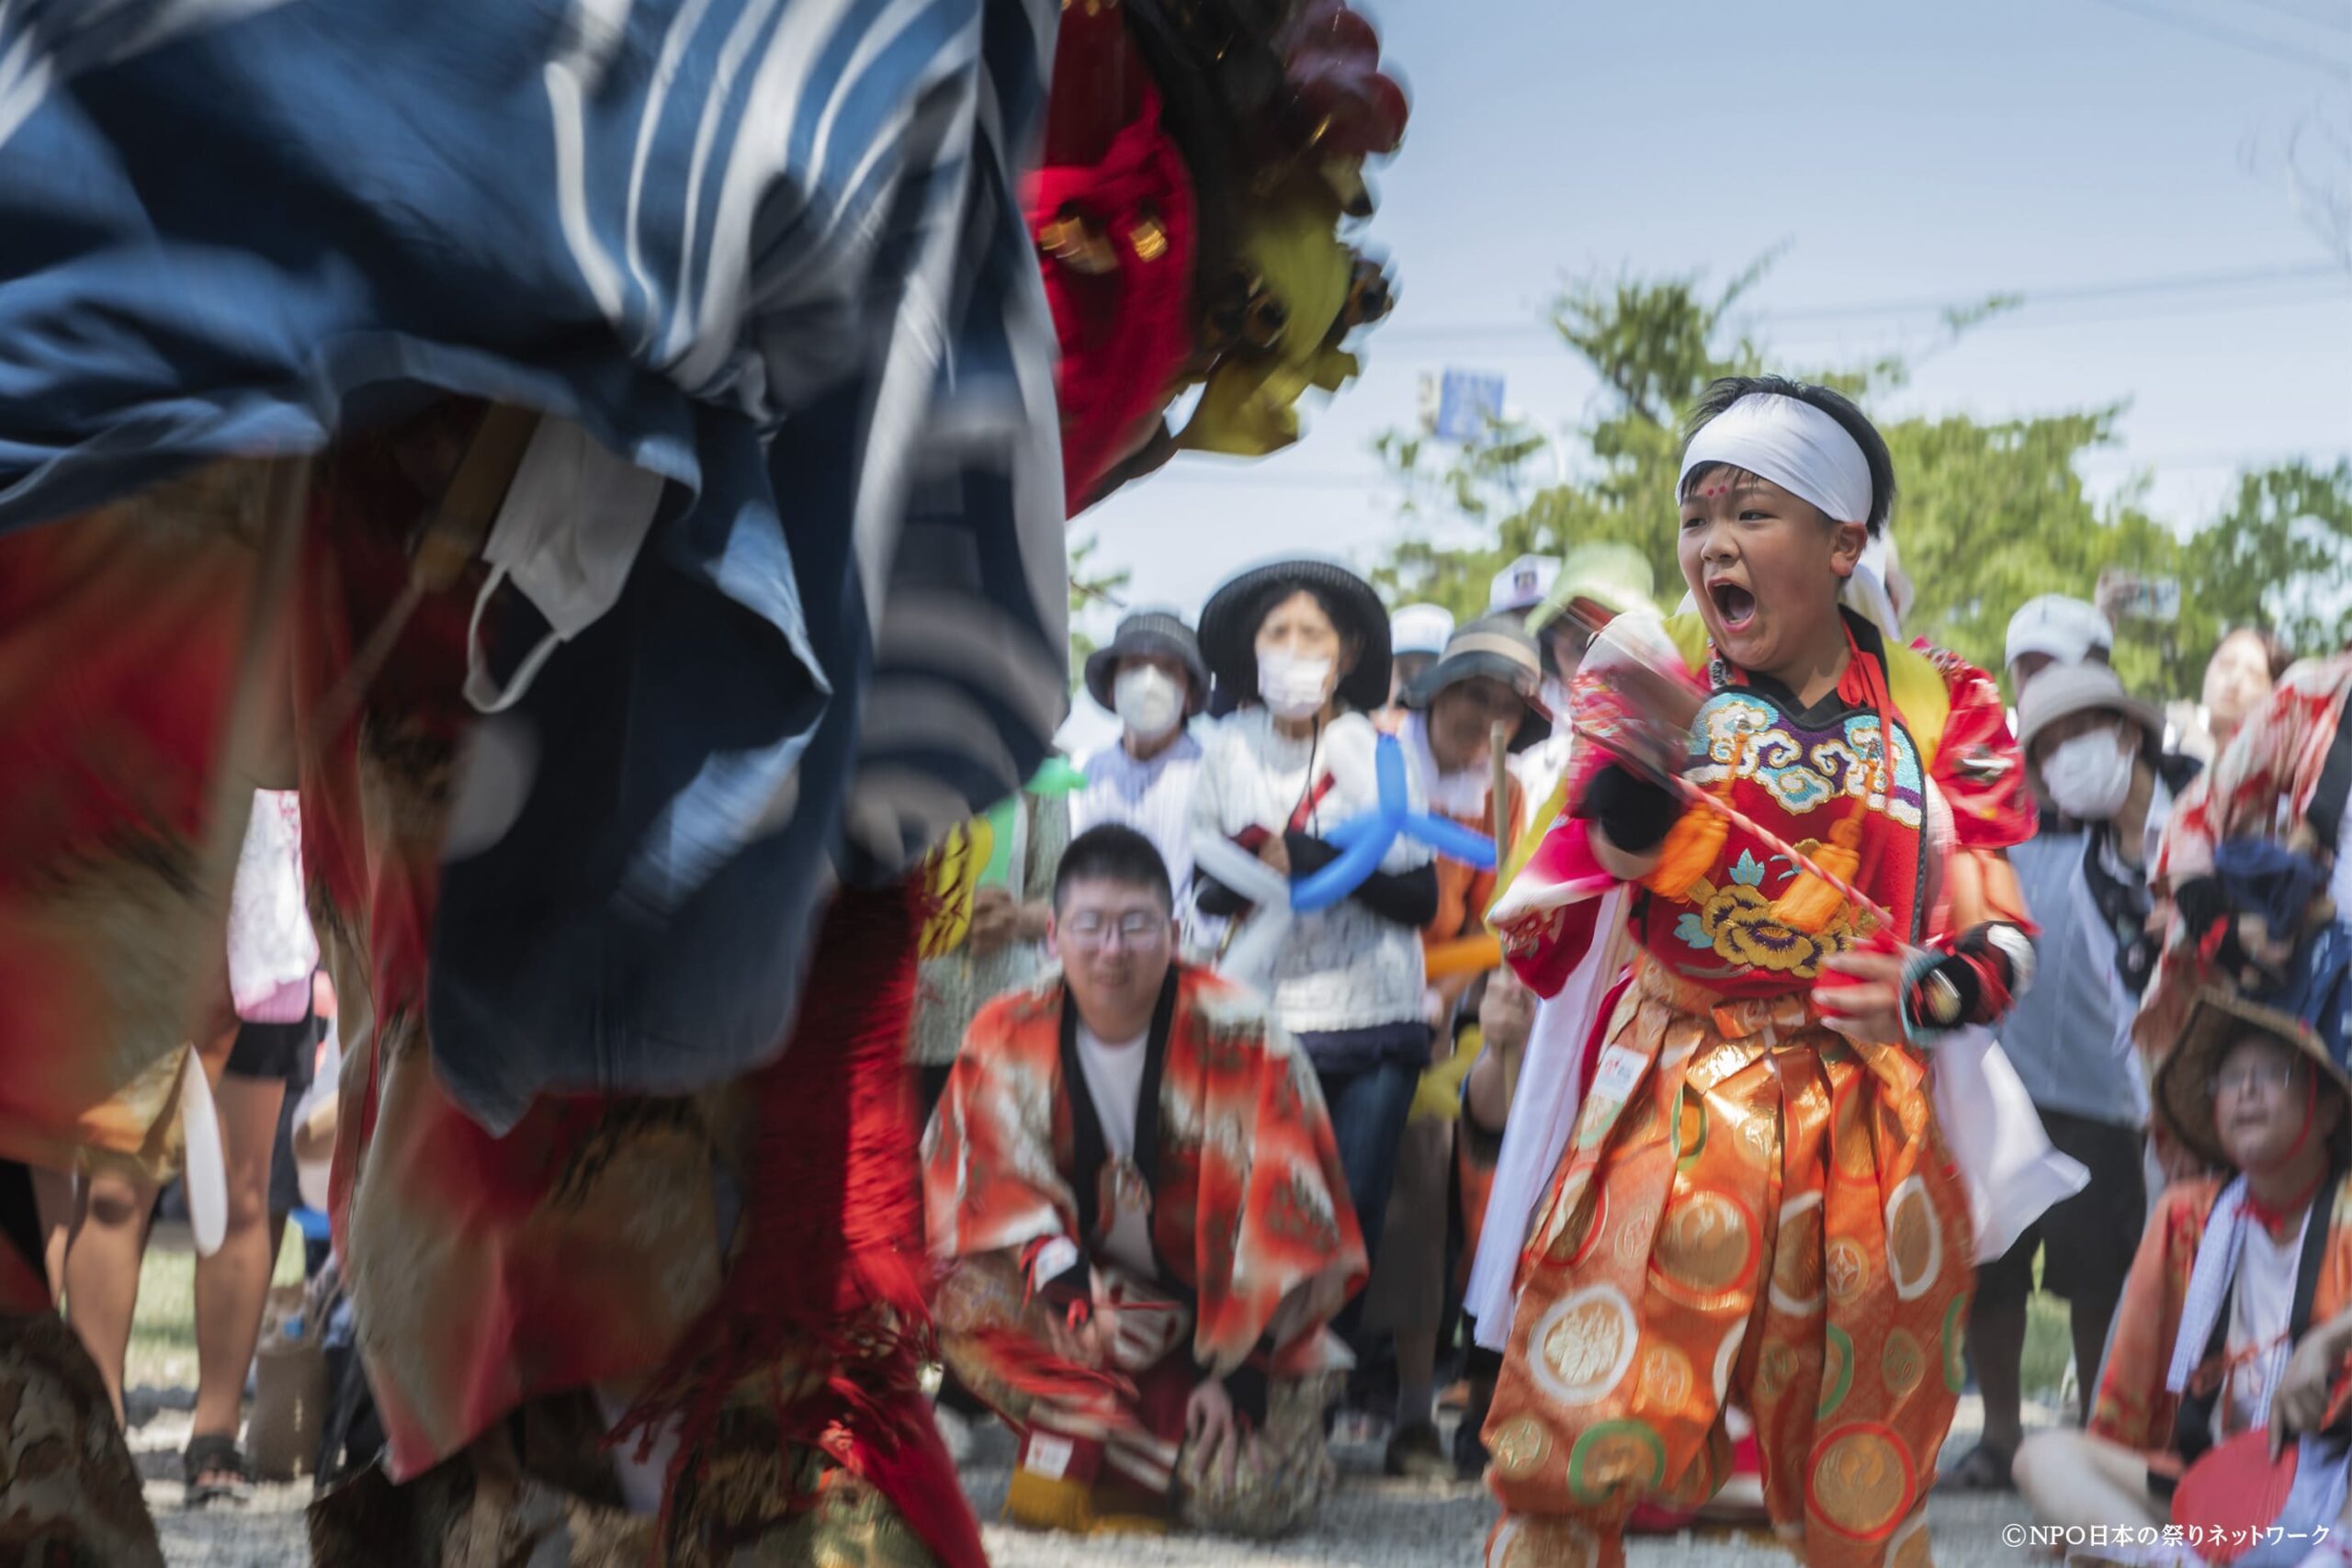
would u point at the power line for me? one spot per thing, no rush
(2236, 38)
(1515, 354)
(1280, 477)
(1546, 349)
(2339, 19)
(2064, 294)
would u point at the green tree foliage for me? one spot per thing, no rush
(1989, 514)
(1090, 591)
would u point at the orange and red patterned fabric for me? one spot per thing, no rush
(1951, 744)
(1249, 1207)
(2260, 787)
(585, 1247)
(1753, 1209)
(2132, 1407)
(123, 630)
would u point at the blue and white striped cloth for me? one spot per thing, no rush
(769, 249)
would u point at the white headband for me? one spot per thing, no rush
(1793, 444)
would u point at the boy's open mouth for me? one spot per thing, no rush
(1735, 605)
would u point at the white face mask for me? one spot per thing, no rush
(2089, 777)
(570, 528)
(1149, 701)
(1557, 700)
(1294, 688)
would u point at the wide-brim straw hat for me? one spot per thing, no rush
(1150, 634)
(2183, 1087)
(1229, 624)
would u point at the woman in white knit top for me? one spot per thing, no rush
(1302, 647)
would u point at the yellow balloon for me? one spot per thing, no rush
(953, 873)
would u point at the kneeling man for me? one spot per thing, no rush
(2237, 1313)
(1132, 1181)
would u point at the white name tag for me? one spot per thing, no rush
(1049, 1456)
(1619, 1071)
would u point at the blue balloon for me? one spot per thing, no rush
(1452, 839)
(1342, 876)
(1389, 770)
(1363, 841)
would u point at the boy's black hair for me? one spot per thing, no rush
(1729, 389)
(1113, 852)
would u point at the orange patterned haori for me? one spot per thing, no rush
(1248, 1206)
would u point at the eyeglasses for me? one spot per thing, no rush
(1134, 927)
(2270, 1078)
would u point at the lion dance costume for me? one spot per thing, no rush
(606, 456)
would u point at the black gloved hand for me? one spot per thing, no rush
(1308, 854)
(1636, 813)
(2201, 902)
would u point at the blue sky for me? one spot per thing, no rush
(1900, 152)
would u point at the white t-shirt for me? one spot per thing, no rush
(2262, 1304)
(1114, 1079)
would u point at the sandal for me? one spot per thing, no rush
(1982, 1469)
(216, 1470)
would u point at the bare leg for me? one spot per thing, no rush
(53, 1193)
(2073, 1478)
(233, 1283)
(102, 1268)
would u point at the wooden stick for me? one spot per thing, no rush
(1498, 758)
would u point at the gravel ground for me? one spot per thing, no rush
(1371, 1523)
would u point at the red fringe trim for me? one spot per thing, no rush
(830, 1264)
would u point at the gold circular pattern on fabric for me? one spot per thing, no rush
(1689, 1129)
(1904, 1362)
(1848, 1268)
(1776, 1370)
(1613, 1457)
(1796, 1257)
(1914, 1241)
(1707, 1245)
(1586, 1222)
(1634, 1238)
(1910, 1548)
(1520, 1448)
(1585, 1343)
(1861, 1482)
(1666, 1378)
(1755, 1139)
(1726, 1357)
(1837, 1372)
(1637, 1123)
(1851, 1159)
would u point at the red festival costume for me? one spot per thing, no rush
(1753, 1209)
(1249, 1222)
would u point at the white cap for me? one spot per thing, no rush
(1420, 628)
(1524, 584)
(2059, 628)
